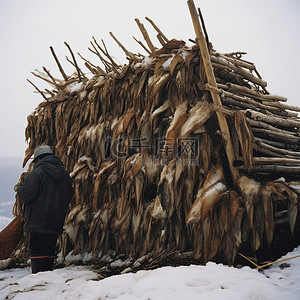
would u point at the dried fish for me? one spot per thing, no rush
(146, 147)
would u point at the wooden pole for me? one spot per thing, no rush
(246, 74)
(91, 65)
(108, 65)
(140, 43)
(203, 26)
(145, 35)
(277, 261)
(157, 29)
(79, 72)
(52, 78)
(201, 41)
(43, 95)
(255, 94)
(41, 77)
(160, 39)
(59, 65)
(251, 261)
(128, 53)
(105, 52)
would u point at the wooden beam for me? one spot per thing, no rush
(246, 74)
(272, 119)
(201, 41)
(254, 94)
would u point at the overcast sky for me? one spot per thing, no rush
(268, 30)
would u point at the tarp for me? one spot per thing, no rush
(10, 237)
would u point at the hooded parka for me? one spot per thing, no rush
(46, 194)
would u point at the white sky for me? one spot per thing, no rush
(268, 30)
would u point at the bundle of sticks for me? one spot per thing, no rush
(154, 169)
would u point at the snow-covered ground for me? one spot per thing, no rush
(211, 282)
(193, 282)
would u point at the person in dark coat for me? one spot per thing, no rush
(46, 194)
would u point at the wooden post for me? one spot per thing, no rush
(200, 39)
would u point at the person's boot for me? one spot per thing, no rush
(42, 264)
(50, 264)
(35, 265)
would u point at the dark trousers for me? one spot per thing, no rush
(42, 250)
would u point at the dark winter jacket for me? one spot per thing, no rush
(46, 193)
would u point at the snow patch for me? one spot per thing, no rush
(213, 281)
(74, 87)
(167, 63)
(91, 132)
(281, 179)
